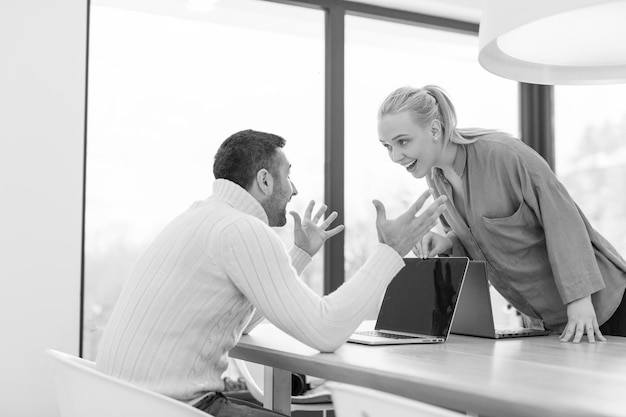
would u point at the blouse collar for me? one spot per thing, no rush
(460, 161)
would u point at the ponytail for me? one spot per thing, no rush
(427, 104)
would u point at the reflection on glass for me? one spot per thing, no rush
(447, 286)
(590, 130)
(167, 84)
(421, 299)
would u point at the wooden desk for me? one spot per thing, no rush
(533, 376)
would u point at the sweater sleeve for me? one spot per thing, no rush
(257, 263)
(299, 259)
(255, 320)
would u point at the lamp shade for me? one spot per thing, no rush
(569, 42)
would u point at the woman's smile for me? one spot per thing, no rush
(410, 165)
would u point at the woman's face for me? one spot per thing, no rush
(414, 147)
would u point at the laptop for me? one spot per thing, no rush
(474, 313)
(419, 304)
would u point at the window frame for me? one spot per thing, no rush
(535, 103)
(536, 113)
(334, 136)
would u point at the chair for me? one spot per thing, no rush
(353, 401)
(317, 400)
(82, 391)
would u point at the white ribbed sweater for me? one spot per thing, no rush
(194, 291)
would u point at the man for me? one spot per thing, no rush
(197, 287)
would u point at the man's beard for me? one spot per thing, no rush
(276, 211)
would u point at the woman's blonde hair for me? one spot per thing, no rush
(427, 104)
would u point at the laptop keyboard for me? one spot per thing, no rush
(379, 333)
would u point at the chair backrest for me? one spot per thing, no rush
(353, 401)
(254, 376)
(82, 391)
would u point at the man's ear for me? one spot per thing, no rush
(265, 182)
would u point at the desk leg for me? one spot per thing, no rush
(277, 390)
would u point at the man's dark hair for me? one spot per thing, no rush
(244, 153)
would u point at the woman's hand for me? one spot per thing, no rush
(405, 231)
(431, 245)
(307, 234)
(581, 319)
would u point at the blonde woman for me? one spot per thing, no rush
(506, 207)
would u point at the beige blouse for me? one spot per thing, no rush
(540, 250)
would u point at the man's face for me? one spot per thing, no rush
(276, 205)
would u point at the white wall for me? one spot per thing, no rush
(42, 96)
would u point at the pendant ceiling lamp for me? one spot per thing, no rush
(568, 42)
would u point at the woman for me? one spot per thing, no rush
(506, 207)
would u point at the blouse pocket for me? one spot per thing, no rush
(515, 236)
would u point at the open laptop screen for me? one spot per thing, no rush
(422, 296)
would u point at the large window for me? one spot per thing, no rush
(382, 56)
(170, 80)
(590, 130)
(167, 84)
